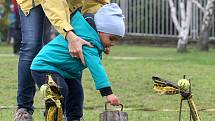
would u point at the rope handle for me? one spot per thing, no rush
(121, 105)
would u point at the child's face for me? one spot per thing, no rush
(108, 40)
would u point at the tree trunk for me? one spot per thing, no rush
(203, 43)
(182, 42)
(182, 47)
(185, 27)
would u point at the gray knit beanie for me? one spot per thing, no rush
(109, 19)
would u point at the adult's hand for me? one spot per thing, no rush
(75, 45)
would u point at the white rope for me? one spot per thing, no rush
(137, 58)
(125, 109)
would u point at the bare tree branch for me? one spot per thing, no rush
(198, 5)
(203, 43)
(209, 10)
(173, 15)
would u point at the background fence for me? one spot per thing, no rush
(153, 18)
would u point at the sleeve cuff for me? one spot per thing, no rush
(106, 91)
(65, 30)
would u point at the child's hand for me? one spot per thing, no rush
(107, 50)
(113, 100)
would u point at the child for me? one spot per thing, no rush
(55, 60)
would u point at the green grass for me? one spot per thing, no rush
(131, 80)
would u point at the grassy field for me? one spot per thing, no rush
(130, 69)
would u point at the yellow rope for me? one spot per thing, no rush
(164, 89)
(51, 93)
(60, 114)
(51, 113)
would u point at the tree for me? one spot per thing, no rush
(203, 43)
(185, 19)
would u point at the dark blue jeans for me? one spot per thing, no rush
(32, 34)
(68, 87)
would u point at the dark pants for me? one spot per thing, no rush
(17, 41)
(32, 34)
(69, 88)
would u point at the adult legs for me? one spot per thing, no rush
(17, 41)
(32, 29)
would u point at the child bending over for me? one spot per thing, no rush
(55, 60)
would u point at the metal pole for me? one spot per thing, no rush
(146, 16)
(179, 118)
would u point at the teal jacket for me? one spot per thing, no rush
(55, 55)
